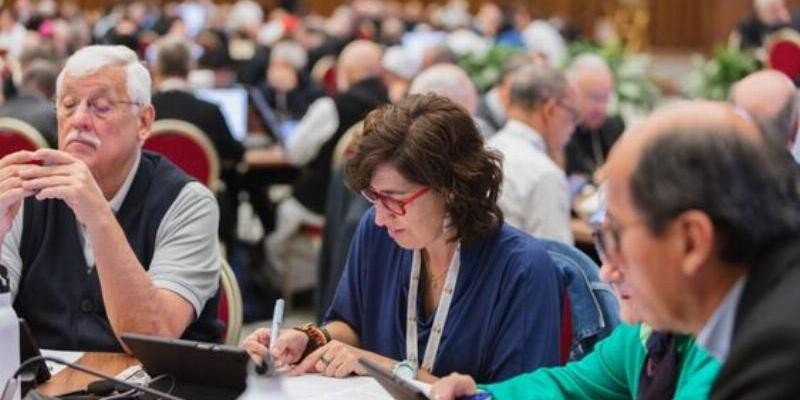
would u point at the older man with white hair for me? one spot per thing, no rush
(99, 237)
(597, 131)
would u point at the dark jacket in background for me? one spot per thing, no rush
(184, 106)
(752, 32)
(587, 149)
(36, 111)
(293, 104)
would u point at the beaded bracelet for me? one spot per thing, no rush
(317, 337)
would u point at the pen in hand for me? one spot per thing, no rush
(277, 321)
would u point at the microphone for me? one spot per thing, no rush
(117, 383)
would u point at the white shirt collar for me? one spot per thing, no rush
(525, 132)
(119, 197)
(717, 333)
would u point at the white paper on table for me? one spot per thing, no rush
(318, 387)
(68, 356)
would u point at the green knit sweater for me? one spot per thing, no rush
(611, 371)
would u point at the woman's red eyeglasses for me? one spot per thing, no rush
(395, 206)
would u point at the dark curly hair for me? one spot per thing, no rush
(434, 142)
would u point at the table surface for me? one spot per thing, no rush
(69, 380)
(303, 387)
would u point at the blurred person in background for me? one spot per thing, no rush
(771, 98)
(398, 72)
(33, 101)
(287, 88)
(12, 33)
(310, 146)
(542, 115)
(492, 105)
(173, 99)
(597, 132)
(451, 81)
(769, 16)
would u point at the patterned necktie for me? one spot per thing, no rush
(659, 375)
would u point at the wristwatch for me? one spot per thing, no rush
(405, 369)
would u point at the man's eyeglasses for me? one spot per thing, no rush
(395, 206)
(607, 238)
(100, 107)
(574, 114)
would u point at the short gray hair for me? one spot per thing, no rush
(91, 59)
(450, 81)
(532, 85)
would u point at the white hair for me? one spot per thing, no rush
(450, 81)
(91, 59)
(586, 62)
(290, 52)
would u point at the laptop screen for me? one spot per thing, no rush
(233, 103)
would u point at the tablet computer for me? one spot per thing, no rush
(190, 362)
(398, 387)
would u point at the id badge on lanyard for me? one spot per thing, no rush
(441, 311)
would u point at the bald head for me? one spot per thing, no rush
(450, 81)
(359, 60)
(771, 98)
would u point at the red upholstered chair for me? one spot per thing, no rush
(16, 135)
(187, 147)
(783, 53)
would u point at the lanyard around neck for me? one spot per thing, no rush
(441, 311)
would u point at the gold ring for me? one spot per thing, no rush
(324, 360)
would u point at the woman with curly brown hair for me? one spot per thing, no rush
(434, 277)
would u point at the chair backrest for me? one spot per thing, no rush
(188, 147)
(593, 308)
(343, 146)
(230, 305)
(16, 135)
(783, 52)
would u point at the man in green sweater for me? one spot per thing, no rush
(618, 368)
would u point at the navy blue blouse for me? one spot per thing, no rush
(504, 318)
